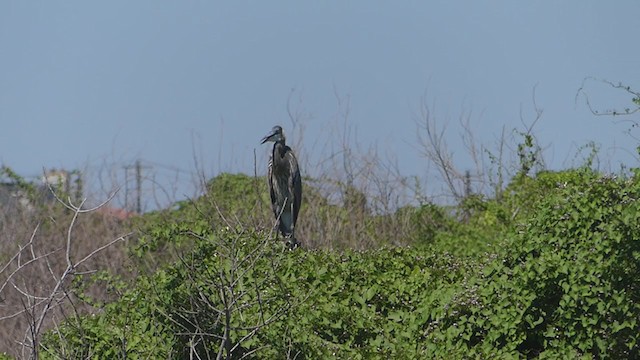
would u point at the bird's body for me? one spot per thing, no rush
(285, 185)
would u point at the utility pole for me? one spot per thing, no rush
(126, 186)
(467, 183)
(138, 187)
(137, 167)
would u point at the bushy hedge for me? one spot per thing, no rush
(315, 304)
(559, 281)
(566, 284)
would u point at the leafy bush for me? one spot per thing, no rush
(244, 288)
(214, 299)
(373, 303)
(566, 284)
(559, 284)
(522, 196)
(131, 328)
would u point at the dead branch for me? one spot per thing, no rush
(609, 112)
(37, 307)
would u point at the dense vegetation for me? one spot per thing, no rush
(547, 271)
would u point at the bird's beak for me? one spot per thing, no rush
(269, 137)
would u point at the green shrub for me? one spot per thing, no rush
(427, 221)
(560, 284)
(131, 328)
(566, 285)
(309, 304)
(522, 196)
(226, 286)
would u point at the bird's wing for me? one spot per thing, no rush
(274, 206)
(295, 184)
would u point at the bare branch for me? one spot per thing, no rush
(36, 306)
(609, 112)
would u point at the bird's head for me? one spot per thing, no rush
(275, 135)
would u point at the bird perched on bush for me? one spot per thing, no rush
(285, 185)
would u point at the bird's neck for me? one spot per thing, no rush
(279, 148)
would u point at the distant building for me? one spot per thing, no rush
(58, 179)
(13, 197)
(18, 194)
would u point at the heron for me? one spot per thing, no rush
(285, 185)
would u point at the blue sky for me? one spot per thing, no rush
(86, 83)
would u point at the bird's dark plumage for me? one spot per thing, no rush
(285, 185)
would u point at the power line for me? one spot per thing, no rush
(169, 167)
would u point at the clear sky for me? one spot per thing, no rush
(86, 83)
